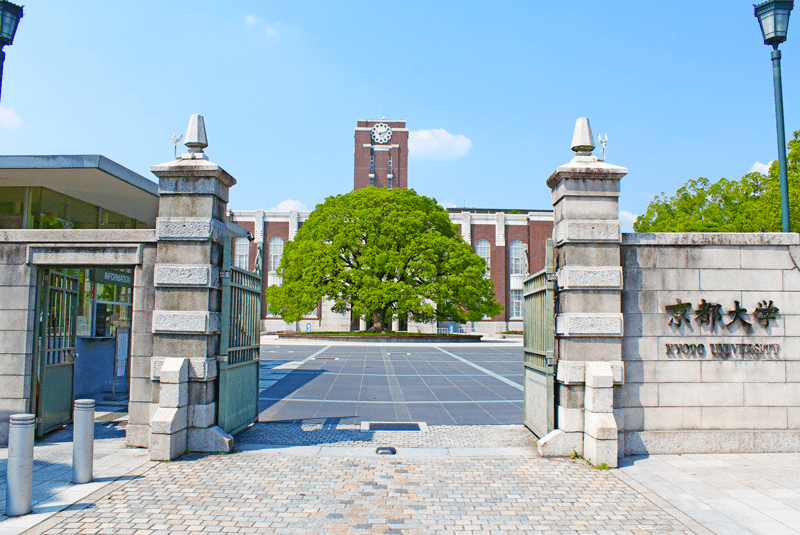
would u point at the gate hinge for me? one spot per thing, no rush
(224, 274)
(222, 358)
(38, 420)
(551, 276)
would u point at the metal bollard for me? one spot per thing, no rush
(83, 441)
(19, 478)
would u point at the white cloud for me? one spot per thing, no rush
(626, 220)
(289, 204)
(759, 167)
(270, 30)
(437, 143)
(447, 204)
(9, 118)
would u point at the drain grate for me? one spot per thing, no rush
(394, 426)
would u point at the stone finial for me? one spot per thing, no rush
(196, 139)
(582, 141)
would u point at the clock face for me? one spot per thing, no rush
(381, 133)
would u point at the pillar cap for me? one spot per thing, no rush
(583, 167)
(582, 139)
(196, 138)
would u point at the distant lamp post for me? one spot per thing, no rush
(9, 20)
(773, 16)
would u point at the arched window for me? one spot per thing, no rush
(517, 258)
(483, 250)
(275, 253)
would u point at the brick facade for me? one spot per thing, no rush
(396, 148)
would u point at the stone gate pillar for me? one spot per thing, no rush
(190, 230)
(589, 324)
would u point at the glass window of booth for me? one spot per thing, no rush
(107, 297)
(42, 208)
(12, 202)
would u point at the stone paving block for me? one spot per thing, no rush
(256, 491)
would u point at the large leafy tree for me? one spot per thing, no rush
(750, 204)
(382, 253)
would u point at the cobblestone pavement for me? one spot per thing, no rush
(326, 484)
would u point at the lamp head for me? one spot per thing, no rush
(773, 16)
(9, 20)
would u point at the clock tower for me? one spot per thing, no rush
(381, 154)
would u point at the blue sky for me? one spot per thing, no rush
(683, 89)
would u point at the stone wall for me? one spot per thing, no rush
(690, 340)
(17, 290)
(690, 387)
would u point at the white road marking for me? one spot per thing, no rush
(484, 370)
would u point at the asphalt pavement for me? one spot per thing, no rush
(454, 384)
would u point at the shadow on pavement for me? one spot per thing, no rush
(305, 432)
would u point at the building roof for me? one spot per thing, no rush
(91, 178)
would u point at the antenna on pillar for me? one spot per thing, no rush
(602, 142)
(176, 138)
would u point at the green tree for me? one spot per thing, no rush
(382, 253)
(750, 204)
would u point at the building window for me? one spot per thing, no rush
(516, 303)
(372, 164)
(483, 250)
(390, 165)
(517, 258)
(275, 253)
(390, 182)
(241, 253)
(371, 181)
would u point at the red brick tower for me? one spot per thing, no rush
(381, 154)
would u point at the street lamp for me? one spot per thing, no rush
(773, 16)
(9, 20)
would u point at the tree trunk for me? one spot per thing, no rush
(379, 321)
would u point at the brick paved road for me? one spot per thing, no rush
(338, 489)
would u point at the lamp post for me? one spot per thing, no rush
(773, 16)
(9, 20)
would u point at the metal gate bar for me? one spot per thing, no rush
(539, 347)
(57, 349)
(240, 332)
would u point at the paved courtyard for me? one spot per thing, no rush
(463, 384)
(327, 482)
(320, 473)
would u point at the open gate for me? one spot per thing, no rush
(240, 332)
(539, 365)
(57, 302)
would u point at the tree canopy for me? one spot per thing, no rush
(382, 253)
(750, 204)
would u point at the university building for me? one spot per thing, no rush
(510, 241)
